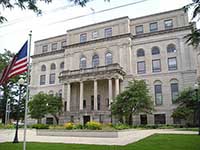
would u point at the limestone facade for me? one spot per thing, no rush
(90, 65)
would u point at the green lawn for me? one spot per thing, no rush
(155, 142)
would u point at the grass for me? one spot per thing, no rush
(154, 142)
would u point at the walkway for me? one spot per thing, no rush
(125, 137)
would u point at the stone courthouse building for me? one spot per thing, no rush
(88, 66)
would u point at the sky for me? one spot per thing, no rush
(60, 16)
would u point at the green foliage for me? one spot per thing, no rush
(69, 125)
(133, 100)
(78, 126)
(7, 126)
(92, 125)
(188, 105)
(121, 126)
(42, 104)
(40, 126)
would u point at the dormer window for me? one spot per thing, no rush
(83, 37)
(108, 32)
(168, 24)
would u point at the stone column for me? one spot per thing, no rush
(68, 96)
(64, 91)
(81, 95)
(95, 94)
(116, 86)
(110, 90)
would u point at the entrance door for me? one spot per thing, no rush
(86, 119)
(143, 119)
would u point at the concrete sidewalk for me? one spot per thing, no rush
(126, 137)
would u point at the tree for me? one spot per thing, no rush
(187, 106)
(10, 89)
(38, 106)
(54, 106)
(32, 5)
(42, 104)
(194, 38)
(133, 100)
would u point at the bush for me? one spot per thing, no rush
(78, 126)
(56, 127)
(68, 126)
(92, 125)
(40, 126)
(121, 126)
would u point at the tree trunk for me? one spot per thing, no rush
(130, 119)
(39, 121)
(56, 118)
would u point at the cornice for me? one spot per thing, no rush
(48, 53)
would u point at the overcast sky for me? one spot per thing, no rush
(61, 15)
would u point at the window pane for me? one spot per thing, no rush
(156, 65)
(108, 58)
(172, 64)
(171, 48)
(155, 51)
(63, 43)
(159, 119)
(168, 24)
(42, 79)
(52, 78)
(108, 32)
(139, 29)
(158, 94)
(44, 48)
(141, 67)
(83, 37)
(95, 60)
(153, 26)
(43, 68)
(62, 65)
(54, 46)
(95, 34)
(174, 91)
(140, 53)
(83, 63)
(53, 66)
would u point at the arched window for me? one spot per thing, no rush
(140, 52)
(108, 58)
(155, 50)
(95, 60)
(60, 93)
(62, 65)
(83, 63)
(43, 68)
(53, 66)
(171, 48)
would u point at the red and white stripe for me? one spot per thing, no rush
(19, 67)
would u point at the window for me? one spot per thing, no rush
(65, 106)
(84, 104)
(95, 60)
(63, 43)
(44, 48)
(54, 46)
(52, 78)
(141, 67)
(83, 37)
(172, 63)
(72, 119)
(139, 29)
(153, 26)
(159, 119)
(42, 79)
(168, 24)
(108, 58)
(174, 91)
(156, 67)
(51, 92)
(53, 66)
(43, 68)
(108, 32)
(83, 63)
(140, 52)
(155, 50)
(176, 120)
(95, 35)
(143, 119)
(158, 94)
(107, 102)
(49, 120)
(62, 65)
(92, 102)
(60, 93)
(98, 102)
(171, 48)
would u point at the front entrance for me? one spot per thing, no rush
(86, 119)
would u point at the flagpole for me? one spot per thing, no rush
(27, 91)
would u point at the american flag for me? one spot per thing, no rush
(17, 66)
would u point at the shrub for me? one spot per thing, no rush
(68, 126)
(40, 126)
(56, 127)
(78, 126)
(121, 126)
(7, 126)
(92, 125)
